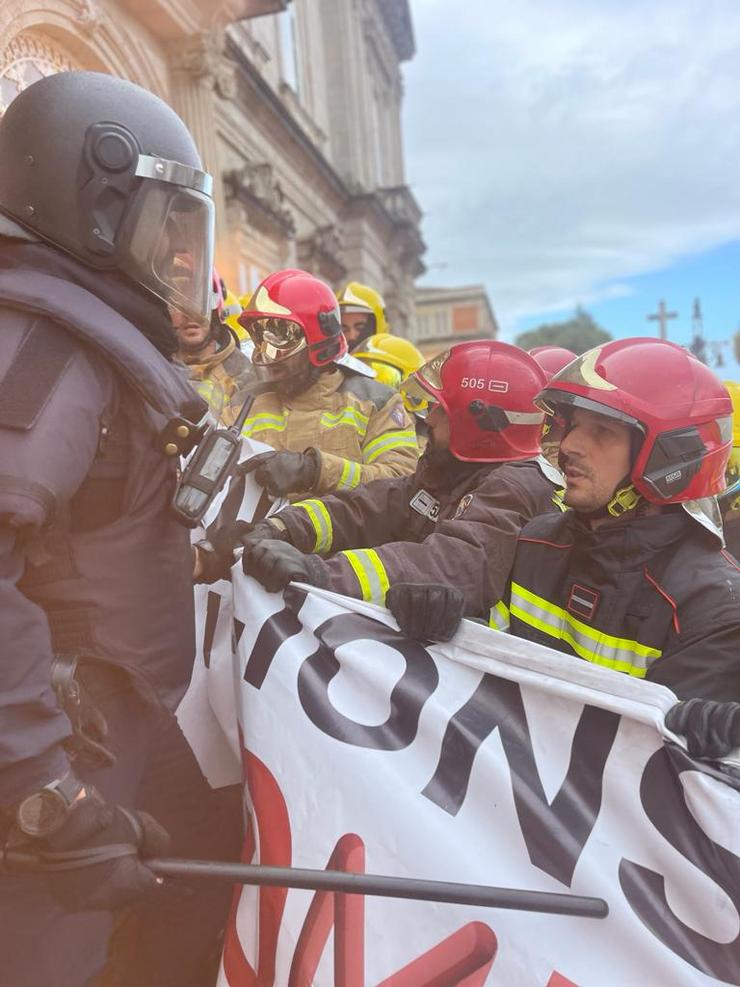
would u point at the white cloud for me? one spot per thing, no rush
(560, 146)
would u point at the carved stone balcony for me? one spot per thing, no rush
(255, 187)
(168, 19)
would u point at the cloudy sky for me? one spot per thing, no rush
(580, 151)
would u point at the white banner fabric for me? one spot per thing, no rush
(488, 760)
(207, 712)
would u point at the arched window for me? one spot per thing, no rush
(25, 60)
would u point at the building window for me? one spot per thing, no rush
(24, 61)
(441, 322)
(290, 68)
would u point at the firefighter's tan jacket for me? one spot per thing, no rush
(222, 379)
(360, 428)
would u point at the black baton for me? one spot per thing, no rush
(344, 882)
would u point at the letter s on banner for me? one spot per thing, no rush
(418, 682)
(662, 798)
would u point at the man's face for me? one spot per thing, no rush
(190, 335)
(595, 458)
(439, 428)
(356, 325)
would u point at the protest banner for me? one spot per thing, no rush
(488, 760)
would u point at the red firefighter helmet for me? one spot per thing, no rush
(217, 293)
(552, 359)
(293, 320)
(682, 412)
(487, 390)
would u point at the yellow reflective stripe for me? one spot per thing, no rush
(499, 616)
(350, 475)
(389, 440)
(205, 387)
(346, 416)
(621, 654)
(370, 572)
(264, 422)
(321, 521)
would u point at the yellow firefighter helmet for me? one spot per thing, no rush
(392, 351)
(232, 309)
(357, 297)
(393, 359)
(733, 467)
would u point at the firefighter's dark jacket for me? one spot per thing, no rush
(655, 596)
(91, 560)
(460, 528)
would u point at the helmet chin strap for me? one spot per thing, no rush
(624, 499)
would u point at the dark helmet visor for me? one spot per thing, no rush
(170, 246)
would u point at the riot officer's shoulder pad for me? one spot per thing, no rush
(29, 379)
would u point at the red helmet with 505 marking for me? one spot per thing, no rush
(487, 389)
(680, 410)
(293, 320)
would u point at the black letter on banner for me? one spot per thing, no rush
(662, 798)
(408, 696)
(213, 606)
(275, 630)
(555, 833)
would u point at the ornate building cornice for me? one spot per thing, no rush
(397, 210)
(397, 16)
(203, 56)
(323, 251)
(254, 186)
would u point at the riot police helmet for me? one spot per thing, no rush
(107, 171)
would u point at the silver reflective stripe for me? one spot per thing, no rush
(499, 616)
(321, 521)
(162, 170)
(370, 573)
(405, 439)
(524, 417)
(350, 475)
(621, 654)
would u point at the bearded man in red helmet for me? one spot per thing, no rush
(634, 576)
(332, 426)
(456, 519)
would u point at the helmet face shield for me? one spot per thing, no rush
(431, 373)
(169, 246)
(415, 393)
(275, 339)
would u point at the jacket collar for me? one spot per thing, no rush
(629, 543)
(317, 394)
(199, 367)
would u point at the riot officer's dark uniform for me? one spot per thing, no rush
(101, 188)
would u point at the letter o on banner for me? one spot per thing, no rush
(416, 685)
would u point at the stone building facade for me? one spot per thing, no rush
(296, 109)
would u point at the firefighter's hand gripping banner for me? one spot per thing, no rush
(487, 760)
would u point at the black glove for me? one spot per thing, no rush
(217, 555)
(711, 729)
(117, 838)
(284, 472)
(276, 563)
(426, 611)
